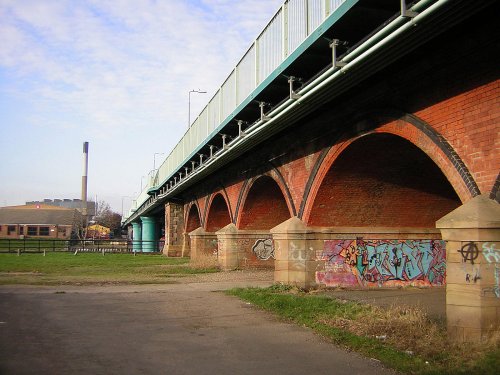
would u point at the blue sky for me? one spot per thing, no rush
(113, 73)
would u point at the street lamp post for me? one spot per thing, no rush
(154, 159)
(126, 196)
(189, 104)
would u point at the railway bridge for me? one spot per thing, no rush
(356, 143)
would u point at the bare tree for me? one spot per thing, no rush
(107, 218)
(104, 216)
(79, 226)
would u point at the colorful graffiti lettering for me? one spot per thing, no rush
(383, 262)
(263, 249)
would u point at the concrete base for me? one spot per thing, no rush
(472, 235)
(202, 243)
(295, 262)
(186, 245)
(230, 254)
(172, 250)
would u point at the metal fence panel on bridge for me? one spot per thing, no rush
(286, 31)
(270, 47)
(246, 75)
(296, 23)
(228, 103)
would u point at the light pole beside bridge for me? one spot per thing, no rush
(189, 104)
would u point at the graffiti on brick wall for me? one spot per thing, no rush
(383, 262)
(263, 249)
(492, 257)
(469, 252)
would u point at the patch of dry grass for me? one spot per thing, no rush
(409, 329)
(401, 337)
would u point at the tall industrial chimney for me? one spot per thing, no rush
(84, 178)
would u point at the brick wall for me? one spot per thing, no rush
(218, 214)
(382, 180)
(193, 219)
(54, 231)
(264, 207)
(470, 123)
(174, 224)
(256, 249)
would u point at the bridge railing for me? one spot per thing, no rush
(287, 30)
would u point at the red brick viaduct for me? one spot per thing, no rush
(350, 194)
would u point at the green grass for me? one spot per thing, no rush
(91, 268)
(342, 322)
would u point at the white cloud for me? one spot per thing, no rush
(115, 72)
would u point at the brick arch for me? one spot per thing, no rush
(382, 180)
(193, 217)
(276, 175)
(263, 203)
(425, 137)
(495, 191)
(417, 132)
(218, 212)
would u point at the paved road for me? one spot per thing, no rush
(160, 329)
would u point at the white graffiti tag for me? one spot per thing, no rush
(492, 256)
(263, 249)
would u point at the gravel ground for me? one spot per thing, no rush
(431, 300)
(228, 276)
